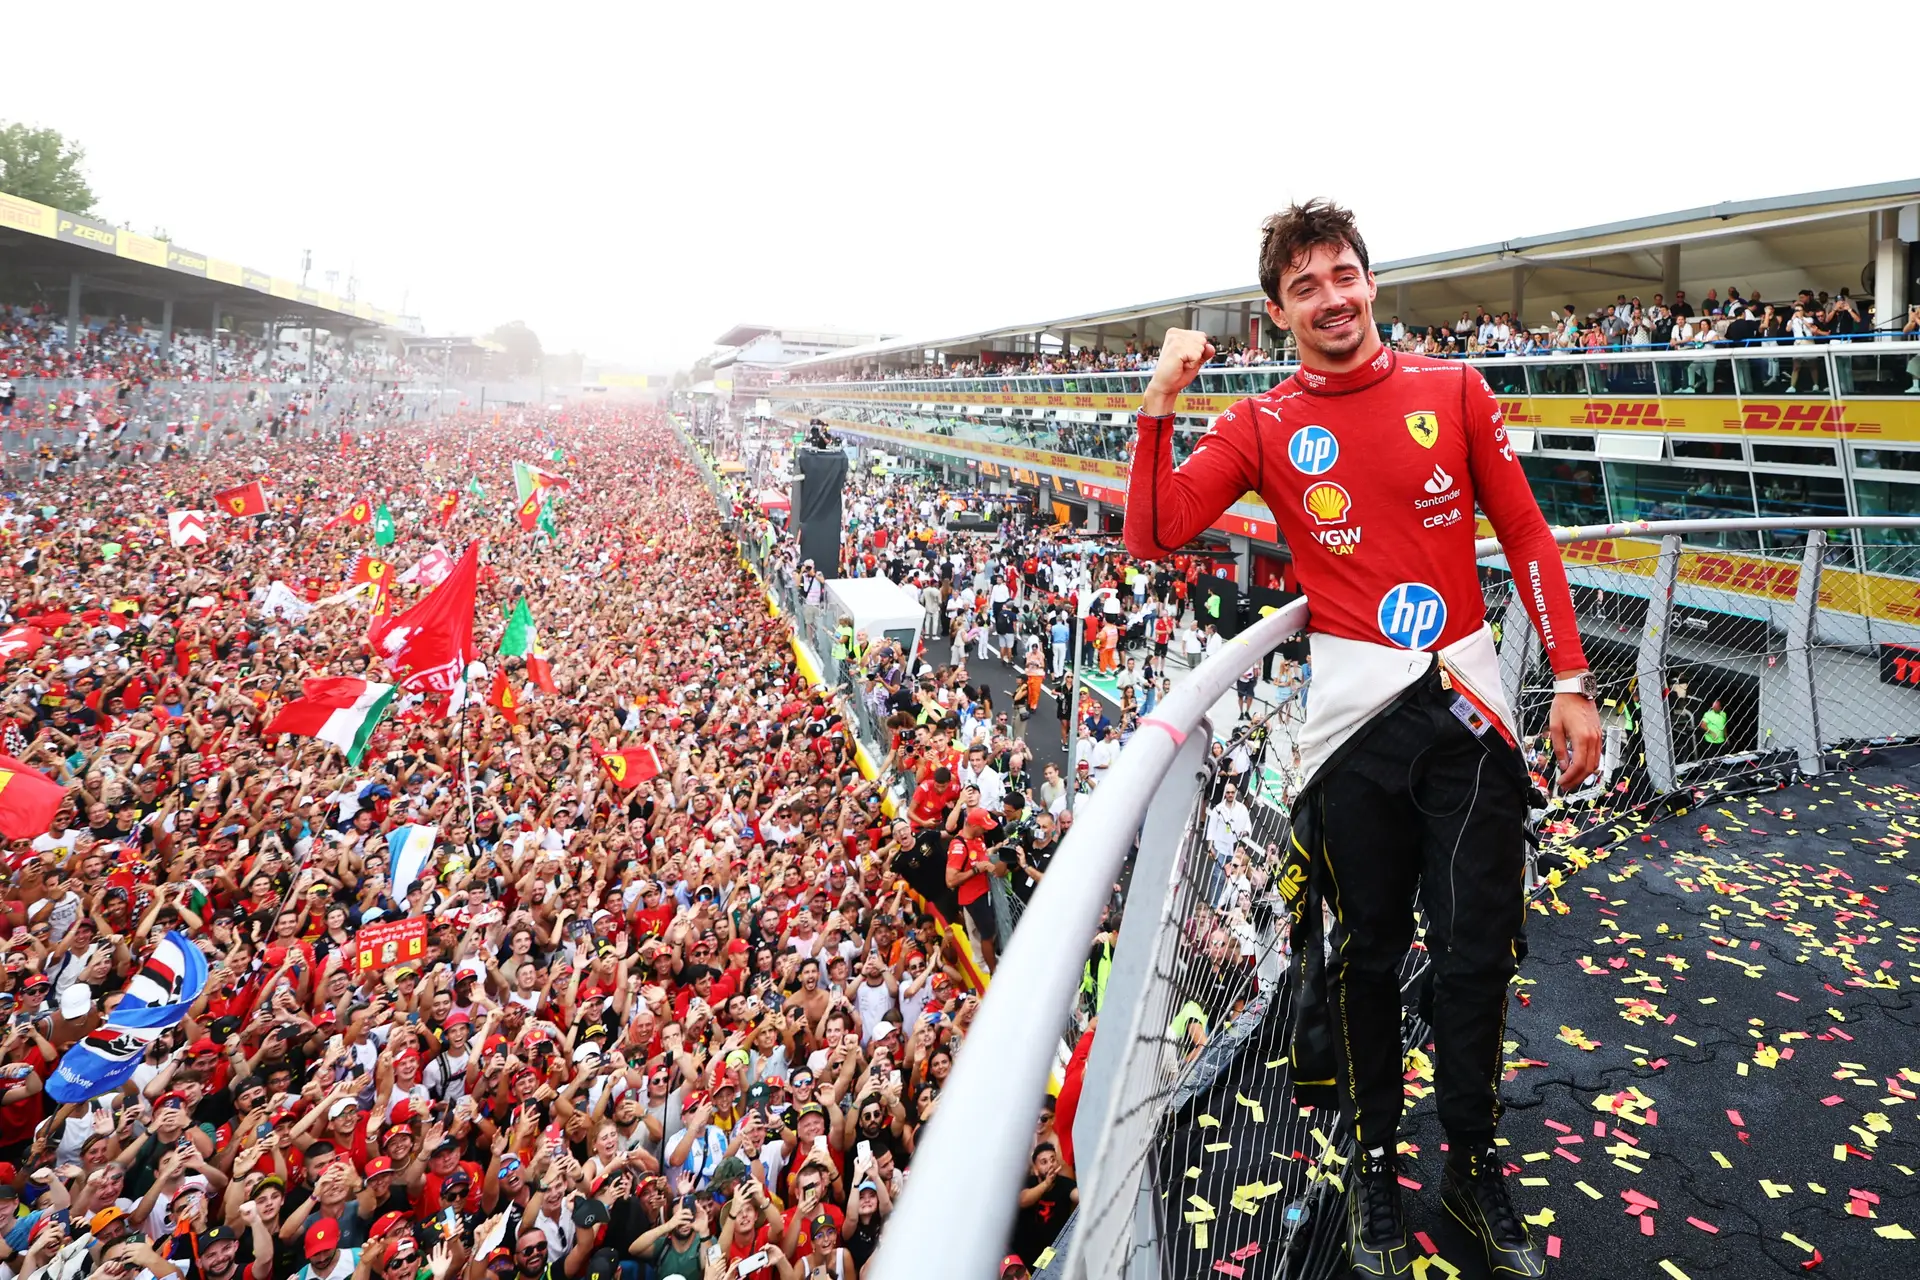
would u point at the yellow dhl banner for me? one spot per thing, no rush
(1796, 419)
(1873, 595)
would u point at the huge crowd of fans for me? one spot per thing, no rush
(1811, 316)
(34, 343)
(690, 1028)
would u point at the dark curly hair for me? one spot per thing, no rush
(1288, 236)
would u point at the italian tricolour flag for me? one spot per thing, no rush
(338, 710)
(522, 640)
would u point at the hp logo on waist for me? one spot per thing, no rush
(1412, 615)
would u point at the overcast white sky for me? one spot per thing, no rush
(632, 179)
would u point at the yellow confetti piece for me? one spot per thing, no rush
(1434, 1262)
(1193, 1171)
(1280, 1061)
(1816, 1188)
(1209, 1122)
(1741, 1067)
(1200, 1205)
(1691, 1044)
(1721, 1160)
(1544, 1218)
(1212, 1147)
(1893, 1231)
(1630, 1168)
(1259, 1111)
(1591, 1193)
(1536, 1182)
(1796, 1241)
(1536, 1155)
(1046, 1256)
(1773, 1189)
(1709, 999)
(1673, 1271)
(1840, 1152)
(1200, 1236)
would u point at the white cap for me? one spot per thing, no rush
(75, 1001)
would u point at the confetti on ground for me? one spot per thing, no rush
(1774, 962)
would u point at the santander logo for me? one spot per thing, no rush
(1439, 481)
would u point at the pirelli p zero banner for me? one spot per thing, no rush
(77, 228)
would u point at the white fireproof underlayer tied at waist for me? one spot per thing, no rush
(1353, 680)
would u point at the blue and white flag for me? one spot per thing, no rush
(408, 848)
(157, 998)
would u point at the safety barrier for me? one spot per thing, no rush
(1715, 673)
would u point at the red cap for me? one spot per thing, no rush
(322, 1236)
(458, 1018)
(1010, 1261)
(8, 1173)
(161, 1102)
(402, 1113)
(978, 817)
(385, 1223)
(379, 1165)
(738, 947)
(204, 1044)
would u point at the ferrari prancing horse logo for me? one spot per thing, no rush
(1424, 427)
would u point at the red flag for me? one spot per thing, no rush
(631, 766)
(242, 500)
(431, 643)
(449, 503)
(346, 443)
(372, 569)
(359, 513)
(28, 800)
(20, 642)
(529, 512)
(502, 696)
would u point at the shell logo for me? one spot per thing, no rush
(1327, 503)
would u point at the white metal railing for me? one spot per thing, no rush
(974, 1155)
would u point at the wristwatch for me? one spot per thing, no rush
(1582, 684)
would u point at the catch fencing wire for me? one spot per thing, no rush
(1221, 1174)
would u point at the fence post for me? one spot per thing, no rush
(1519, 647)
(1656, 731)
(1099, 1127)
(1801, 704)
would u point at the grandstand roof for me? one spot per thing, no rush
(46, 246)
(1778, 245)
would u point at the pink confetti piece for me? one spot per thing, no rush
(1599, 1128)
(1226, 1268)
(1553, 1246)
(1246, 1251)
(1868, 1196)
(1646, 1224)
(1409, 1183)
(1734, 1116)
(1784, 996)
(1707, 1227)
(1640, 1198)
(1568, 1140)
(1426, 1242)
(1832, 1100)
(1562, 1151)
(1557, 1126)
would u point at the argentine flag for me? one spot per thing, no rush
(407, 852)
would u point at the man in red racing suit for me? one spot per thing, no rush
(1372, 463)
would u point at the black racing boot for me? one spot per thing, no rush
(1474, 1191)
(1376, 1227)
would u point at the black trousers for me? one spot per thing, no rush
(1422, 805)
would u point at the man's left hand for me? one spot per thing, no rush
(1574, 729)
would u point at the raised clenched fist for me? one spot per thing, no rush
(1182, 355)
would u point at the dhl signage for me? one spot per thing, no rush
(1873, 595)
(1888, 419)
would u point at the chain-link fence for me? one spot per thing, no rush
(1717, 671)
